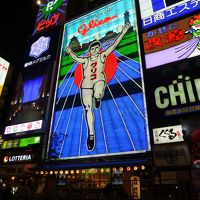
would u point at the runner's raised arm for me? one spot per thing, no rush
(74, 56)
(117, 41)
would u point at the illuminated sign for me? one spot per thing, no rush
(17, 158)
(99, 107)
(4, 65)
(154, 12)
(173, 42)
(10, 144)
(171, 155)
(24, 142)
(168, 134)
(37, 49)
(51, 13)
(135, 187)
(41, 49)
(173, 92)
(181, 91)
(31, 100)
(29, 126)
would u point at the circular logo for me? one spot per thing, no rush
(5, 159)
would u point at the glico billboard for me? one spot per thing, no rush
(155, 12)
(51, 13)
(99, 103)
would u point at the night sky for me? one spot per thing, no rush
(17, 19)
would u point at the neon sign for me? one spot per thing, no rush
(47, 23)
(51, 13)
(173, 42)
(51, 7)
(166, 96)
(18, 158)
(83, 29)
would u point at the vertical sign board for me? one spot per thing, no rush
(29, 105)
(4, 66)
(51, 13)
(154, 12)
(99, 107)
(135, 187)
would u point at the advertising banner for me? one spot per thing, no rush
(168, 134)
(22, 142)
(4, 66)
(154, 12)
(41, 49)
(29, 104)
(173, 42)
(99, 107)
(51, 13)
(173, 92)
(171, 155)
(10, 144)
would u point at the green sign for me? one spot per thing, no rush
(51, 7)
(24, 142)
(10, 144)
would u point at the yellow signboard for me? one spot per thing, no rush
(135, 187)
(4, 65)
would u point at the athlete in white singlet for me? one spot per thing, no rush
(94, 80)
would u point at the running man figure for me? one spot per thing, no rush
(94, 80)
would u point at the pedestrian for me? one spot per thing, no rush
(23, 192)
(6, 192)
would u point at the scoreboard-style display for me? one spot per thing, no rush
(99, 104)
(155, 12)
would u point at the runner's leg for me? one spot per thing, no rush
(87, 102)
(99, 89)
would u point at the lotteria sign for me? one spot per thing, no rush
(17, 158)
(51, 13)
